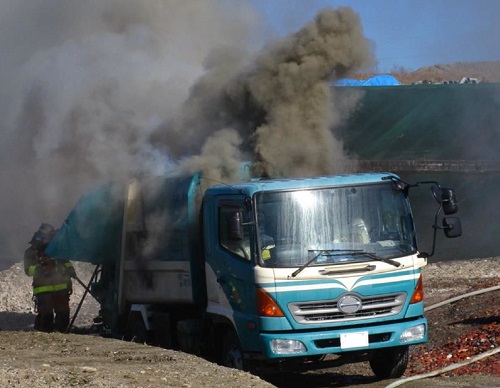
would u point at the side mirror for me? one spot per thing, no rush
(452, 227)
(449, 201)
(446, 198)
(235, 226)
(436, 193)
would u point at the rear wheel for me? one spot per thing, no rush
(390, 363)
(232, 355)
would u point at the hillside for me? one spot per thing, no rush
(485, 72)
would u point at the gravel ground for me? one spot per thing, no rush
(32, 359)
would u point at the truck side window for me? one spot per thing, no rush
(237, 243)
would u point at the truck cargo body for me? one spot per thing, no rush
(270, 271)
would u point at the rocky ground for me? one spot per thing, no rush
(458, 332)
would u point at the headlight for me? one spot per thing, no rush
(285, 346)
(413, 334)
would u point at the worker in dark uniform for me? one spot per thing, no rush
(52, 284)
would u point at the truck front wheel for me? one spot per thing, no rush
(232, 355)
(390, 363)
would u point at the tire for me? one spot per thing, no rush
(232, 355)
(390, 363)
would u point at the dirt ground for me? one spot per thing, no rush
(458, 331)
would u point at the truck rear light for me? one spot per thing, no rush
(418, 294)
(266, 305)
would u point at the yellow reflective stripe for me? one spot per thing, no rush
(50, 288)
(32, 269)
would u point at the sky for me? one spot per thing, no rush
(100, 90)
(406, 34)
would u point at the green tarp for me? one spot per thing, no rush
(92, 231)
(446, 122)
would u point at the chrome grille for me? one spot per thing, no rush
(328, 311)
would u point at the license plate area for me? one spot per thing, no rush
(354, 340)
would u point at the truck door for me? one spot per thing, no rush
(230, 262)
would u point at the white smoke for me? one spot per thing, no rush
(85, 85)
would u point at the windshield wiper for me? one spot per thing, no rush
(375, 257)
(323, 252)
(336, 252)
(301, 268)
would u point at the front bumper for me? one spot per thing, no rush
(362, 338)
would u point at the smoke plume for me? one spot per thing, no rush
(96, 91)
(85, 85)
(280, 101)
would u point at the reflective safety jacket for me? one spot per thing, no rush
(48, 274)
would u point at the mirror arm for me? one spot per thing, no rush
(435, 227)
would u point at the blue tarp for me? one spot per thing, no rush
(377, 80)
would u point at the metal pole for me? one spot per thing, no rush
(87, 290)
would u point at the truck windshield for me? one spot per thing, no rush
(295, 226)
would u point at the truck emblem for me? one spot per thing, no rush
(349, 304)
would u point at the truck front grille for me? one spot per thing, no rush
(327, 310)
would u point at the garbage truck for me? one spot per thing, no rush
(300, 273)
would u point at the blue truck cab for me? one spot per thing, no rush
(300, 273)
(308, 267)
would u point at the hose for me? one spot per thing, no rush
(451, 300)
(445, 369)
(452, 366)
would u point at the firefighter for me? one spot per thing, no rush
(52, 284)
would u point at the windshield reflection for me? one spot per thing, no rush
(293, 226)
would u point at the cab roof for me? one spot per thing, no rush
(277, 184)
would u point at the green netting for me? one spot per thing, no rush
(447, 122)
